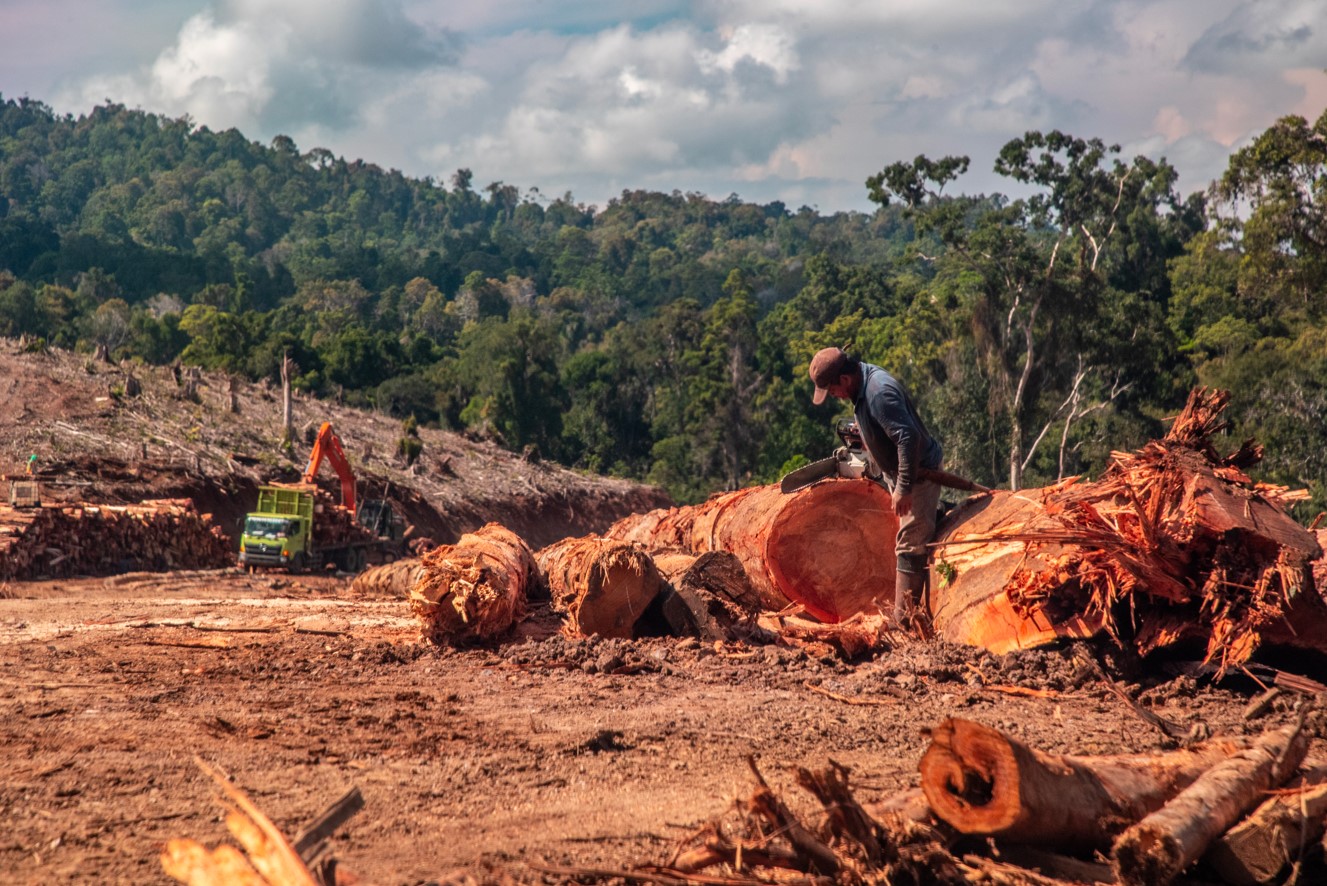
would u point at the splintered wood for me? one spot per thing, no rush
(57, 541)
(991, 810)
(1174, 542)
(602, 586)
(475, 589)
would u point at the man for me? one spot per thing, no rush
(899, 443)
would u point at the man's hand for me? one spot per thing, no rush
(902, 503)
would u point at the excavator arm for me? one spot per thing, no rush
(328, 446)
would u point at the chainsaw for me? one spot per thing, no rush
(852, 461)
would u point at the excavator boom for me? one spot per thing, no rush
(328, 446)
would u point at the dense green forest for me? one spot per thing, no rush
(665, 337)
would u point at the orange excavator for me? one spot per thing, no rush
(328, 446)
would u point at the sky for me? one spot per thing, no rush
(792, 100)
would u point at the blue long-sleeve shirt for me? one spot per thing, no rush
(892, 430)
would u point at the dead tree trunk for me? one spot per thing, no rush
(474, 589)
(603, 586)
(829, 547)
(287, 412)
(1155, 851)
(981, 781)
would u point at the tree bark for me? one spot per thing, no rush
(708, 596)
(603, 586)
(392, 580)
(1276, 834)
(1155, 851)
(474, 589)
(829, 546)
(981, 781)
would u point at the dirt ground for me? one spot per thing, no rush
(475, 765)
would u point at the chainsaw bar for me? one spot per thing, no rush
(808, 474)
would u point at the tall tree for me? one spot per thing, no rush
(1031, 270)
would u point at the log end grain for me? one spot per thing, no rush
(831, 549)
(970, 777)
(1144, 856)
(474, 589)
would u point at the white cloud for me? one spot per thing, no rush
(770, 98)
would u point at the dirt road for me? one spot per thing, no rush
(474, 763)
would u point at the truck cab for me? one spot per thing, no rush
(278, 532)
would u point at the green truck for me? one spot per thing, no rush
(289, 528)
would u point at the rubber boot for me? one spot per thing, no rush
(908, 588)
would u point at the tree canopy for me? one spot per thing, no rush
(665, 337)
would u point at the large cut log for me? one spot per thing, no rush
(982, 781)
(1155, 850)
(392, 580)
(603, 586)
(828, 547)
(474, 589)
(1174, 542)
(1276, 834)
(981, 547)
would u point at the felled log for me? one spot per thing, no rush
(1174, 542)
(603, 586)
(475, 589)
(393, 579)
(1155, 850)
(828, 547)
(707, 596)
(1276, 834)
(984, 782)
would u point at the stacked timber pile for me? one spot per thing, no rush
(992, 810)
(1174, 543)
(61, 541)
(334, 525)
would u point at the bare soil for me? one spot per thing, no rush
(473, 763)
(476, 765)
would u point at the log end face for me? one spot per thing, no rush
(832, 549)
(970, 777)
(1144, 857)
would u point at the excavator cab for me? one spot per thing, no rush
(379, 517)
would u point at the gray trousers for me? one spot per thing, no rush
(917, 529)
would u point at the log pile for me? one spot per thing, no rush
(1175, 542)
(992, 810)
(59, 541)
(334, 525)
(475, 589)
